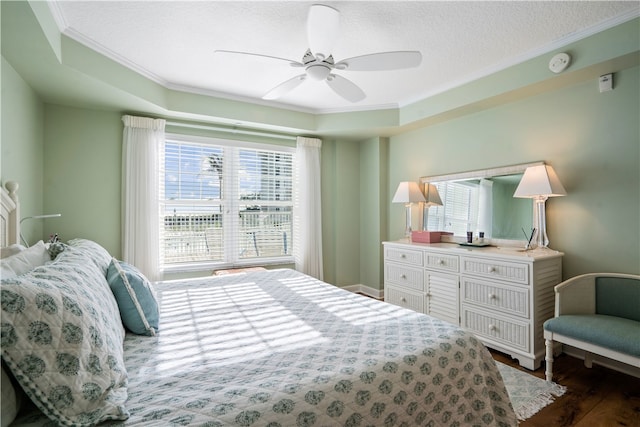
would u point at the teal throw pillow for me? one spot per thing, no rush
(136, 299)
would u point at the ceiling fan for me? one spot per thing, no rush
(322, 32)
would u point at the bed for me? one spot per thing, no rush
(273, 348)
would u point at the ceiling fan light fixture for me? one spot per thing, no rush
(318, 72)
(322, 28)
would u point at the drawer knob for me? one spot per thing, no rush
(440, 262)
(403, 256)
(492, 327)
(429, 294)
(403, 299)
(403, 276)
(492, 269)
(492, 296)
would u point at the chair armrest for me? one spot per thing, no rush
(576, 295)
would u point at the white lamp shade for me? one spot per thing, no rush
(539, 181)
(431, 195)
(408, 192)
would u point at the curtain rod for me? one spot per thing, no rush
(230, 130)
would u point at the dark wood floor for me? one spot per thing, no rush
(595, 397)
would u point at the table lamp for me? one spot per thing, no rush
(408, 193)
(539, 183)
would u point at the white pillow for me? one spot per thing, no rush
(11, 250)
(25, 261)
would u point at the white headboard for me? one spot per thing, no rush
(9, 215)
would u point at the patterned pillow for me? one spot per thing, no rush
(135, 297)
(62, 338)
(93, 250)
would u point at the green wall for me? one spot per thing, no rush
(373, 210)
(591, 139)
(22, 150)
(83, 151)
(341, 211)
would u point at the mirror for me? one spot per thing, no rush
(481, 201)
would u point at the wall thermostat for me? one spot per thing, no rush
(559, 62)
(605, 83)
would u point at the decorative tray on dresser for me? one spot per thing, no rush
(503, 295)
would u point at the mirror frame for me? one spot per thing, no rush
(483, 173)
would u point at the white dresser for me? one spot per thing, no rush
(502, 295)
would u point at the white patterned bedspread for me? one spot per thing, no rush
(279, 348)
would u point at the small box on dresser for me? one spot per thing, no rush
(502, 295)
(428, 236)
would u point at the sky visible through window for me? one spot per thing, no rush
(190, 175)
(194, 172)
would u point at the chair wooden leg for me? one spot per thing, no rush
(549, 359)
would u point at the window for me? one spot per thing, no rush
(225, 202)
(459, 212)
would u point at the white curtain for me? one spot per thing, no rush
(307, 208)
(485, 207)
(143, 139)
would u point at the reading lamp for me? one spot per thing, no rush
(35, 217)
(432, 198)
(539, 183)
(408, 193)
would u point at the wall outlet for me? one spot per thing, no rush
(605, 82)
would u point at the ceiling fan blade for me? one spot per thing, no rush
(234, 53)
(285, 87)
(345, 88)
(381, 61)
(323, 24)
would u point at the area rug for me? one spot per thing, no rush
(528, 394)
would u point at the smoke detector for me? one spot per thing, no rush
(559, 62)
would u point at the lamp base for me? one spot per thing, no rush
(541, 239)
(407, 229)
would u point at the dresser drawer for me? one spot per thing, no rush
(508, 271)
(408, 256)
(441, 261)
(502, 330)
(404, 275)
(405, 298)
(492, 296)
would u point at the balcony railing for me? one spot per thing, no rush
(200, 238)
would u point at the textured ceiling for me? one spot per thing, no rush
(173, 42)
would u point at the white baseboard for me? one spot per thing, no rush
(603, 361)
(362, 289)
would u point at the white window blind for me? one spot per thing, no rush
(459, 212)
(225, 202)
